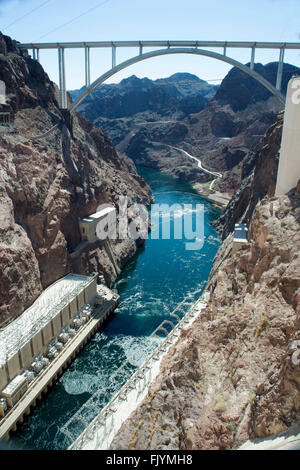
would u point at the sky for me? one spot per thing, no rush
(111, 20)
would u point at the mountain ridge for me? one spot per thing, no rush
(225, 134)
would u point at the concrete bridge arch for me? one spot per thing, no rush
(175, 50)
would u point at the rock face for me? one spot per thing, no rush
(179, 95)
(230, 376)
(260, 182)
(50, 181)
(225, 134)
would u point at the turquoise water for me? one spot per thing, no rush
(156, 279)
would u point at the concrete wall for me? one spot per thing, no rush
(37, 343)
(91, 291)
(65, 316)
(56, 323)
(47, 335)
(289, 163)
(26, 355)
(80, 300)
(88, 230)
(14, 366)
(73, 308)
(3, 377)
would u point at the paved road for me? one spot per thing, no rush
(214, 173)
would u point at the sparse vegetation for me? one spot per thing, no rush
(220, 404)
(262, 325)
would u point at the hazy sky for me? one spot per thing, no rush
(94, 20)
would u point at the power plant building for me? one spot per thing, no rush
(30, 334)
(88, 225)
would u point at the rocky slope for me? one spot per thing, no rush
(230, 376)
(225, 135)
(47, 183)
(258, 184)
(145, 100)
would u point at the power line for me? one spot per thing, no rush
(26, 14)
(73, 19)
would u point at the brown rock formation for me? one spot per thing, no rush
(260, 182)
(47, 183)
(230, 376)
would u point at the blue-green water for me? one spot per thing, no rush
(156, 279)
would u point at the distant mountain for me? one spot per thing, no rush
(222, 126)
(180, 94)
(240, 90)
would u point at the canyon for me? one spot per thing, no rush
(230, 376)
(225, 132)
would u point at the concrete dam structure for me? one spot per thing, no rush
(37, 346)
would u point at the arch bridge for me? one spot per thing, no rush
(167, 47)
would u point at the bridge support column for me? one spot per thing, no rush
(289, 161)
(87, 67)
(62, 78)
(279, 70)
(35, 54)
(252, 58)
(113, 56)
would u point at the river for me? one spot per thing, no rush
(152, 284)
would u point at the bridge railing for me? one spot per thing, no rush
(169, 45)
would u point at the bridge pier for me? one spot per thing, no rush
(36, 54)
(252, 58)
(280, 69)
(114, 55)
(87, 67)
(62, 78)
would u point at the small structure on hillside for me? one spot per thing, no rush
(5, 119)
(88, 225)
(240, 237)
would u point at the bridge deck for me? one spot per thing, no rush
(238, 44)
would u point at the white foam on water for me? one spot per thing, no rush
(76, 383)
(103, 436)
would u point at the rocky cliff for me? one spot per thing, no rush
(230, 376)
(260, 182)
(145, 100)
(47, 182)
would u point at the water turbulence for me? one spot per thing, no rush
(160, 276)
